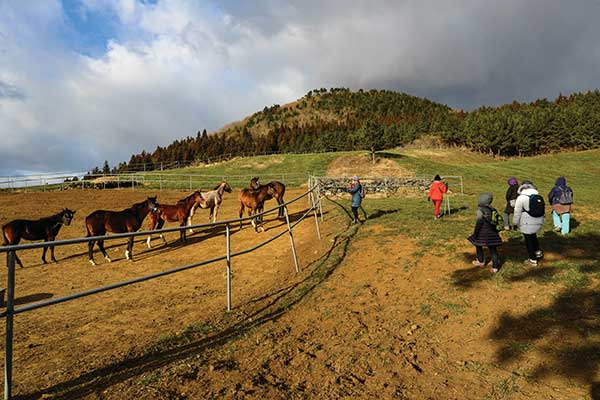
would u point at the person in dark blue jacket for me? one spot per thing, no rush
(356, 191)
(561, 198)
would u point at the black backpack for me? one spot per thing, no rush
(566, 196)
(536, 206)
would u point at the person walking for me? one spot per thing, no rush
(511, 199)
(486, 232)
(560, 199)
(436, 195)
(356, 190)
(529, 217)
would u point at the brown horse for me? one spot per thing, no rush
(254, 200)
(129, 220)
(279, 192)
(174, 213)
(44, 228)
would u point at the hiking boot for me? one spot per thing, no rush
(478, 263)
(494, 270)
(557, 229)
(539, 254)
(533, 263)
(507, 228)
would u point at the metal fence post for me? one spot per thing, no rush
(462, 190)
(190, 182)
(314, 207)
(228, 236)
(287, 220)
(10, 305)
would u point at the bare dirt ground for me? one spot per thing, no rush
(369, 316)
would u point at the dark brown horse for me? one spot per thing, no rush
(279, 189)
(254, 200)
(174, 213)
(129, 220)
(44, 228)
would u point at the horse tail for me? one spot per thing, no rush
(6, 240)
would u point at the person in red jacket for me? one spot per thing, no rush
(436, 194)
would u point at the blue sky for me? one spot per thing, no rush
(82, 81)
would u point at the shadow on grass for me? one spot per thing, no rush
(565, 334)
(192, 344)
(579, 249)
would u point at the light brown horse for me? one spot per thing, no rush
(174, 213)
(213, 199)
(129, 220)
(278, 196)
(254, 200)
(44, 228)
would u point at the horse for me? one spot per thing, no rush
(279, 192)
(174, 213)
(254, 200)
(129, 220)
(212, 200)
(45, 228)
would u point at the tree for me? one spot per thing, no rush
(372, 137)
(106, 168)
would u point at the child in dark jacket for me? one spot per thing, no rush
(511, 199)
(485, 233)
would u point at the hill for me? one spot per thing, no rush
(340, 120)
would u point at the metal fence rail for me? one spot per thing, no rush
(315, 208)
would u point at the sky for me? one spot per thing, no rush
(83, 81)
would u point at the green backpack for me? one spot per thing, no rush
(497, 220)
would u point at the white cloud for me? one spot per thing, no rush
(179, 66)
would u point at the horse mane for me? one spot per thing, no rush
(218, 186)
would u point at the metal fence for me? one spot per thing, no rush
(139, 180)
(314, 200)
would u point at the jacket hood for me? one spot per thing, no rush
(485, 199)
(437, 178)
(513, 181)
(526, 186)
(527, 190)
(561, 181)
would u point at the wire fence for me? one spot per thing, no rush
(312, 195)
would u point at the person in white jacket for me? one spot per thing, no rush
(528, 225)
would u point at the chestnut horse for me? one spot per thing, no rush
(254, 200)
(213, 200)
(279, 192)
(129, 220)
(174, 213)
(44, 228)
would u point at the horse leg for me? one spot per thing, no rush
(91, 252)
(129, 251)
(280, 213)
(161, 223)
(215, 212)
(51, 239)
(189, 218)
(101, 247)
(18, 260)
(44, 249)
(151, 228)
(182, 236)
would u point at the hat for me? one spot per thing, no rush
(437, 178)
(354, 178)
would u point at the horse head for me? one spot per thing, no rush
(254, 184)
(151, 204)
(226, 187)
(67, 216)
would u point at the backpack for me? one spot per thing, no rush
(497, 220)
(566, 196)
(536, 206)
(363, 192)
